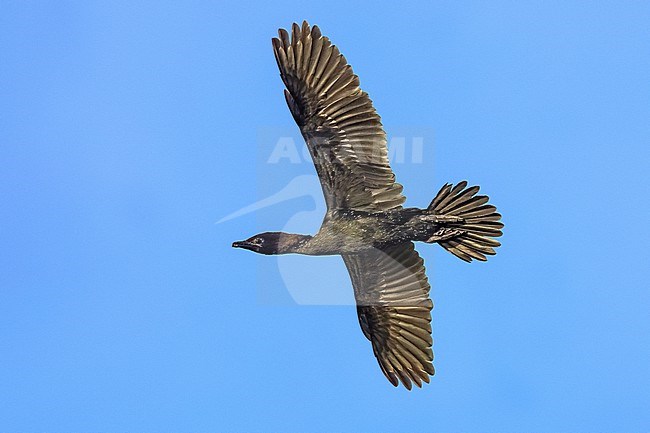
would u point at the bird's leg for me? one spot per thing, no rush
(432, 228)
(443, 234)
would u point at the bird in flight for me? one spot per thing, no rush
(365, 222)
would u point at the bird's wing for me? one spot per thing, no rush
(341, 127)
(392, 294)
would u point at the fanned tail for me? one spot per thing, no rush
(472, 236)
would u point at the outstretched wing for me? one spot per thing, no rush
(348, 146)
(341, 127)
(392, 294)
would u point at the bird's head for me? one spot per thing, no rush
(272, 243)
(263, 243)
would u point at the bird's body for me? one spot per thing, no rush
(365, 222)
(349, 231)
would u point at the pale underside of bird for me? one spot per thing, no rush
(365, 222)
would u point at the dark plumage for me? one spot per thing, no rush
(365, 222)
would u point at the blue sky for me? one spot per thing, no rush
(129, 129)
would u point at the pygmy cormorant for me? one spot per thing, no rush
(365, 222)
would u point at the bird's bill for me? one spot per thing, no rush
(243, 244)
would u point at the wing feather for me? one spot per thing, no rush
(342, 129)
(394, 309)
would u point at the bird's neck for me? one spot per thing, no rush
(293, 243)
